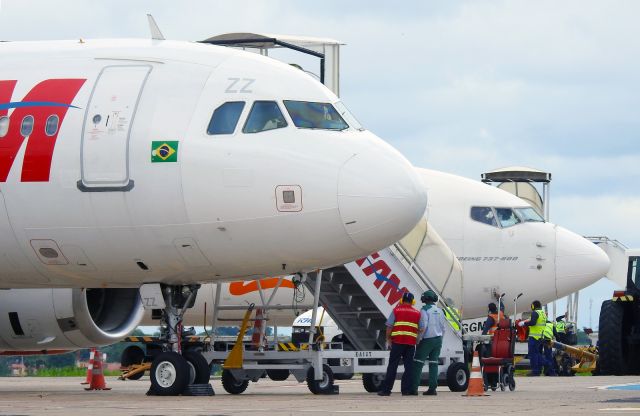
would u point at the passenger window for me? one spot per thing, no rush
(507, 217)
(308, 115)
(225, 118)
(264, 115)
(51, 127)
(4, 126)
(27, 126)
(483, 215)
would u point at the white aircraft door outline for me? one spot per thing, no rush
(110, 114)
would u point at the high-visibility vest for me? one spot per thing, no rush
(405, 328)
(535, 330)
(496, 319)
(452, 315)
(560, 327)
(547, 332)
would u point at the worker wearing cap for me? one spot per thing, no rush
(491, 323)
(536, 325)
(432, 325)
(403, 327)
(560, 328)
(560, 324)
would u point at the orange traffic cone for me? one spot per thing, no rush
(476, 384)
(97, 376)
(92, 354)
(258, 329)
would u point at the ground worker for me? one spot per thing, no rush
(536, 325)
(403, 327)
(491, 324)
(432, 325)
(561, 329)
(560, 324)
(452, 314)
(489, 327)
(547, 353)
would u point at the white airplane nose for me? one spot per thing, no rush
(380, 198)
(579, 262)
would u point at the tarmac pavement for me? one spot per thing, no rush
(533, 396)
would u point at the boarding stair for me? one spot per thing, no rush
(360, 295)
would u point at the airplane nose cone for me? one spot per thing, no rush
(579, 262)
(380, 198)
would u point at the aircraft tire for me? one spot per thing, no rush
(231, 385)
(278, 375)
(372, 382)
(611, 347)
(458, 376)
(323, 386)
(199, 372)
(169, 374)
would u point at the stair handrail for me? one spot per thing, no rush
(416, 270)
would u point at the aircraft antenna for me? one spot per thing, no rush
(156, 34)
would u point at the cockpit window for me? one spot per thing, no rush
(225, 118)
(484, 215)
(307, 115)
(506, 217)
(347, 116)
(528, 214)
(264, 115)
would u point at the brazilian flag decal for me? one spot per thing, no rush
(164, 151)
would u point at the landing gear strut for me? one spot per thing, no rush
(173, 369)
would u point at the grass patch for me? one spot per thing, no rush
(70, 372)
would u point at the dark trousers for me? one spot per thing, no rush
(397, 352)
(549, 362)
(535, 355)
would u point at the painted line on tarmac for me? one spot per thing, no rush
(620, 409)
(361, 411)
(627, 386)
(299, 385)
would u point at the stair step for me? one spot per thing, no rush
(344, 310)
(376, 323)
(341, 279)
(359, 301)
(348, 290)
(335, 297)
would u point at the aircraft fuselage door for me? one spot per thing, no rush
(107, 126)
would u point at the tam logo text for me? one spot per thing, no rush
(387, 283)
(37, 117)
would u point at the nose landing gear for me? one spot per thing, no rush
(173, 370)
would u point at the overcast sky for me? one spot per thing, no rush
(459, 86)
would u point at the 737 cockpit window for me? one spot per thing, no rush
(264, 115)
(347, 116)
(484, 215)
(506, 217)
(307, 115)
(225, 118)
(528, 214)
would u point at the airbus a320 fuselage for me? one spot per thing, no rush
(132, 161)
